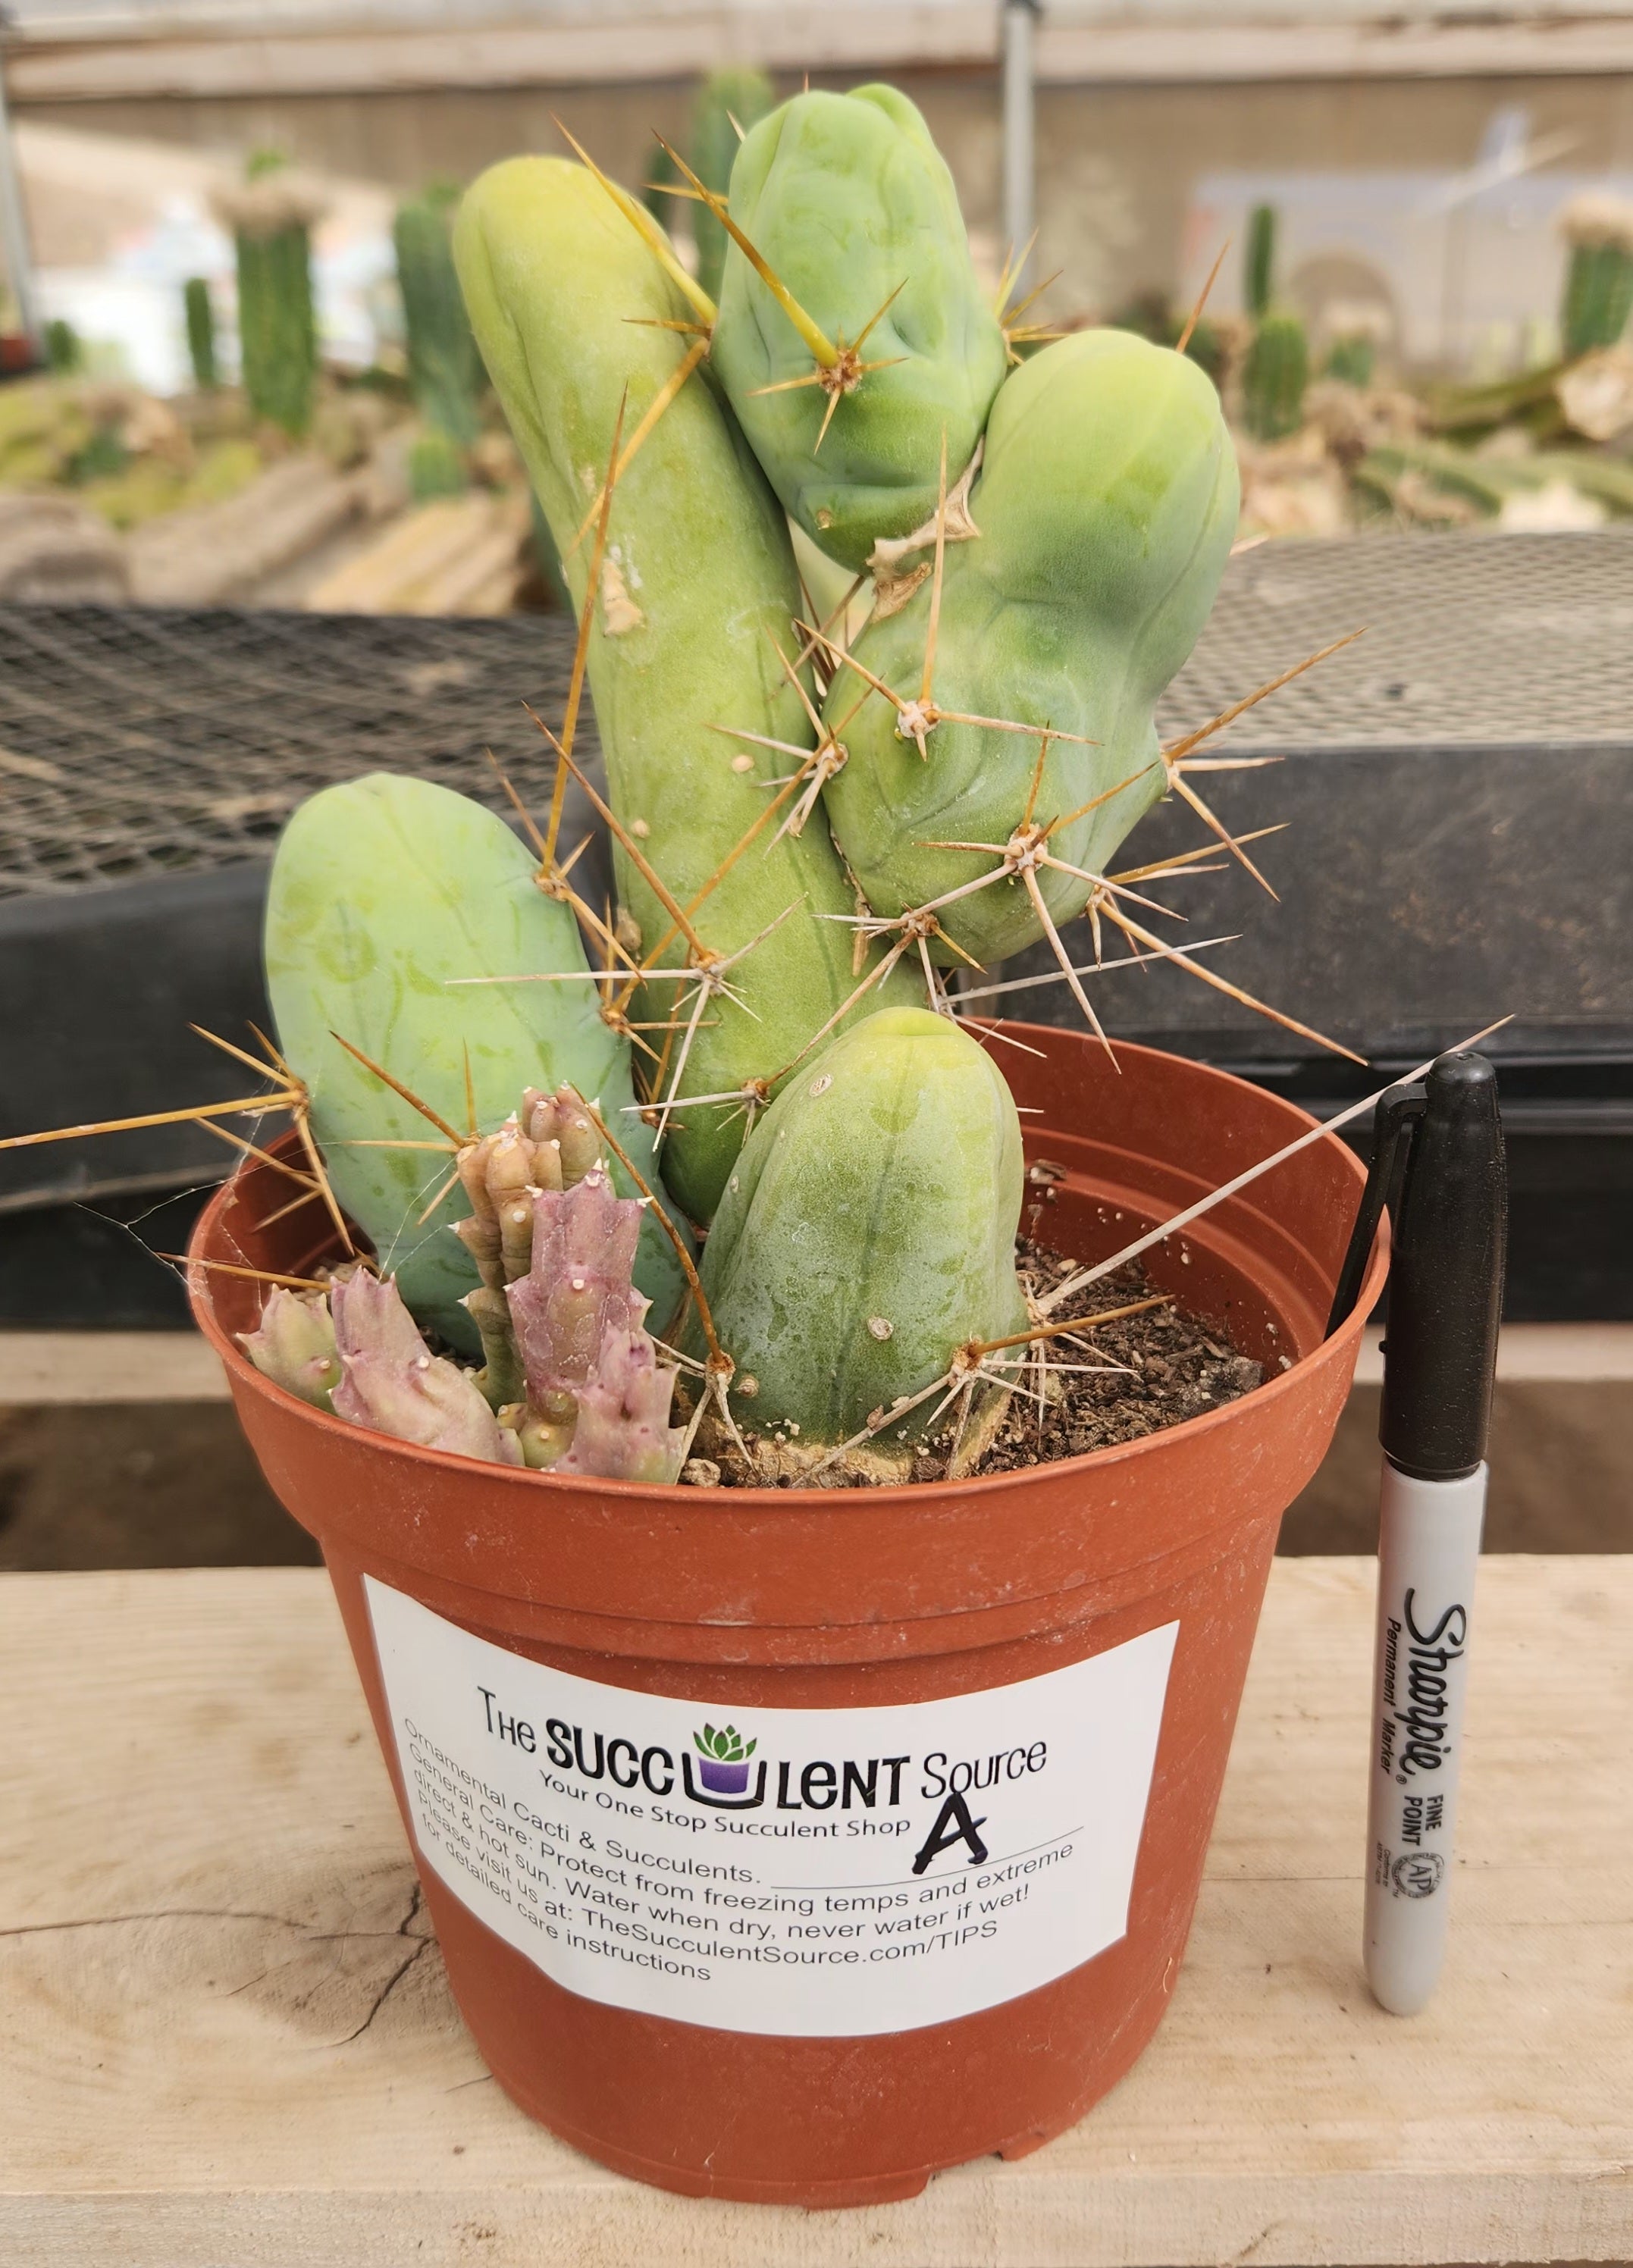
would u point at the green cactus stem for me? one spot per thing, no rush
(1095, 537)
(697, 594)
(728, 104)
(1274, 378)
(1259, 261)
(393, 1384)
(294, 1345)
(877, 339)
(387, 895)
(868, 1235)
(200, 312)
(1598, 279)
(271, 215)
(444, 368)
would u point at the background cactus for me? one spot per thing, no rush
(444, 368)
(728, 104)
(1259, 261)
(200, 312)
(436, 467)
(1351, 358)
(382, 891)
(271, 216)
(1275, 375)
(697, 595)
(868, 1233)
(1598, 279)
(1106, 504)
(848, 200)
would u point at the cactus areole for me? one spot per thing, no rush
(634, 1305)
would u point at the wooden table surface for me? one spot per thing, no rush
(226, 2038)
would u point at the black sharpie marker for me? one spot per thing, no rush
(1446, 1291)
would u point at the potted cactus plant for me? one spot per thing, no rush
(668, 1315)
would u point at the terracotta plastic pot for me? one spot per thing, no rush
(852, 1981)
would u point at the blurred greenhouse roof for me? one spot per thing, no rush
(91, 50)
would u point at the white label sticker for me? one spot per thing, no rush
(803, 1872)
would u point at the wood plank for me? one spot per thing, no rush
(1201, 50)
(225, 2034)
(90, 1367)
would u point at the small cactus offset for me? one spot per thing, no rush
(201, 322)
(1598, 278)
(444, 368)
(571, 1380)
(591, 1397)
(271, 215)
(1274, 376)
(391, 1383)
(294, 1345)
(728, 104)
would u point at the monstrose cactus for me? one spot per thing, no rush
(814, 823)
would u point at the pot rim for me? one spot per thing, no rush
(242, 1373)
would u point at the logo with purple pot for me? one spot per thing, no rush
(725, 1767)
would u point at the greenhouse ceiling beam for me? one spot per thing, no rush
(626, 47)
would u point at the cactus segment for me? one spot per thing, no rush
(1274, 376)
(444, 369)
(848, 200)
(393, 1384)
(727, 101)
(294, 1345)
(384, 892)
(869, 1233)
(1105, 506)
(568, 301)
